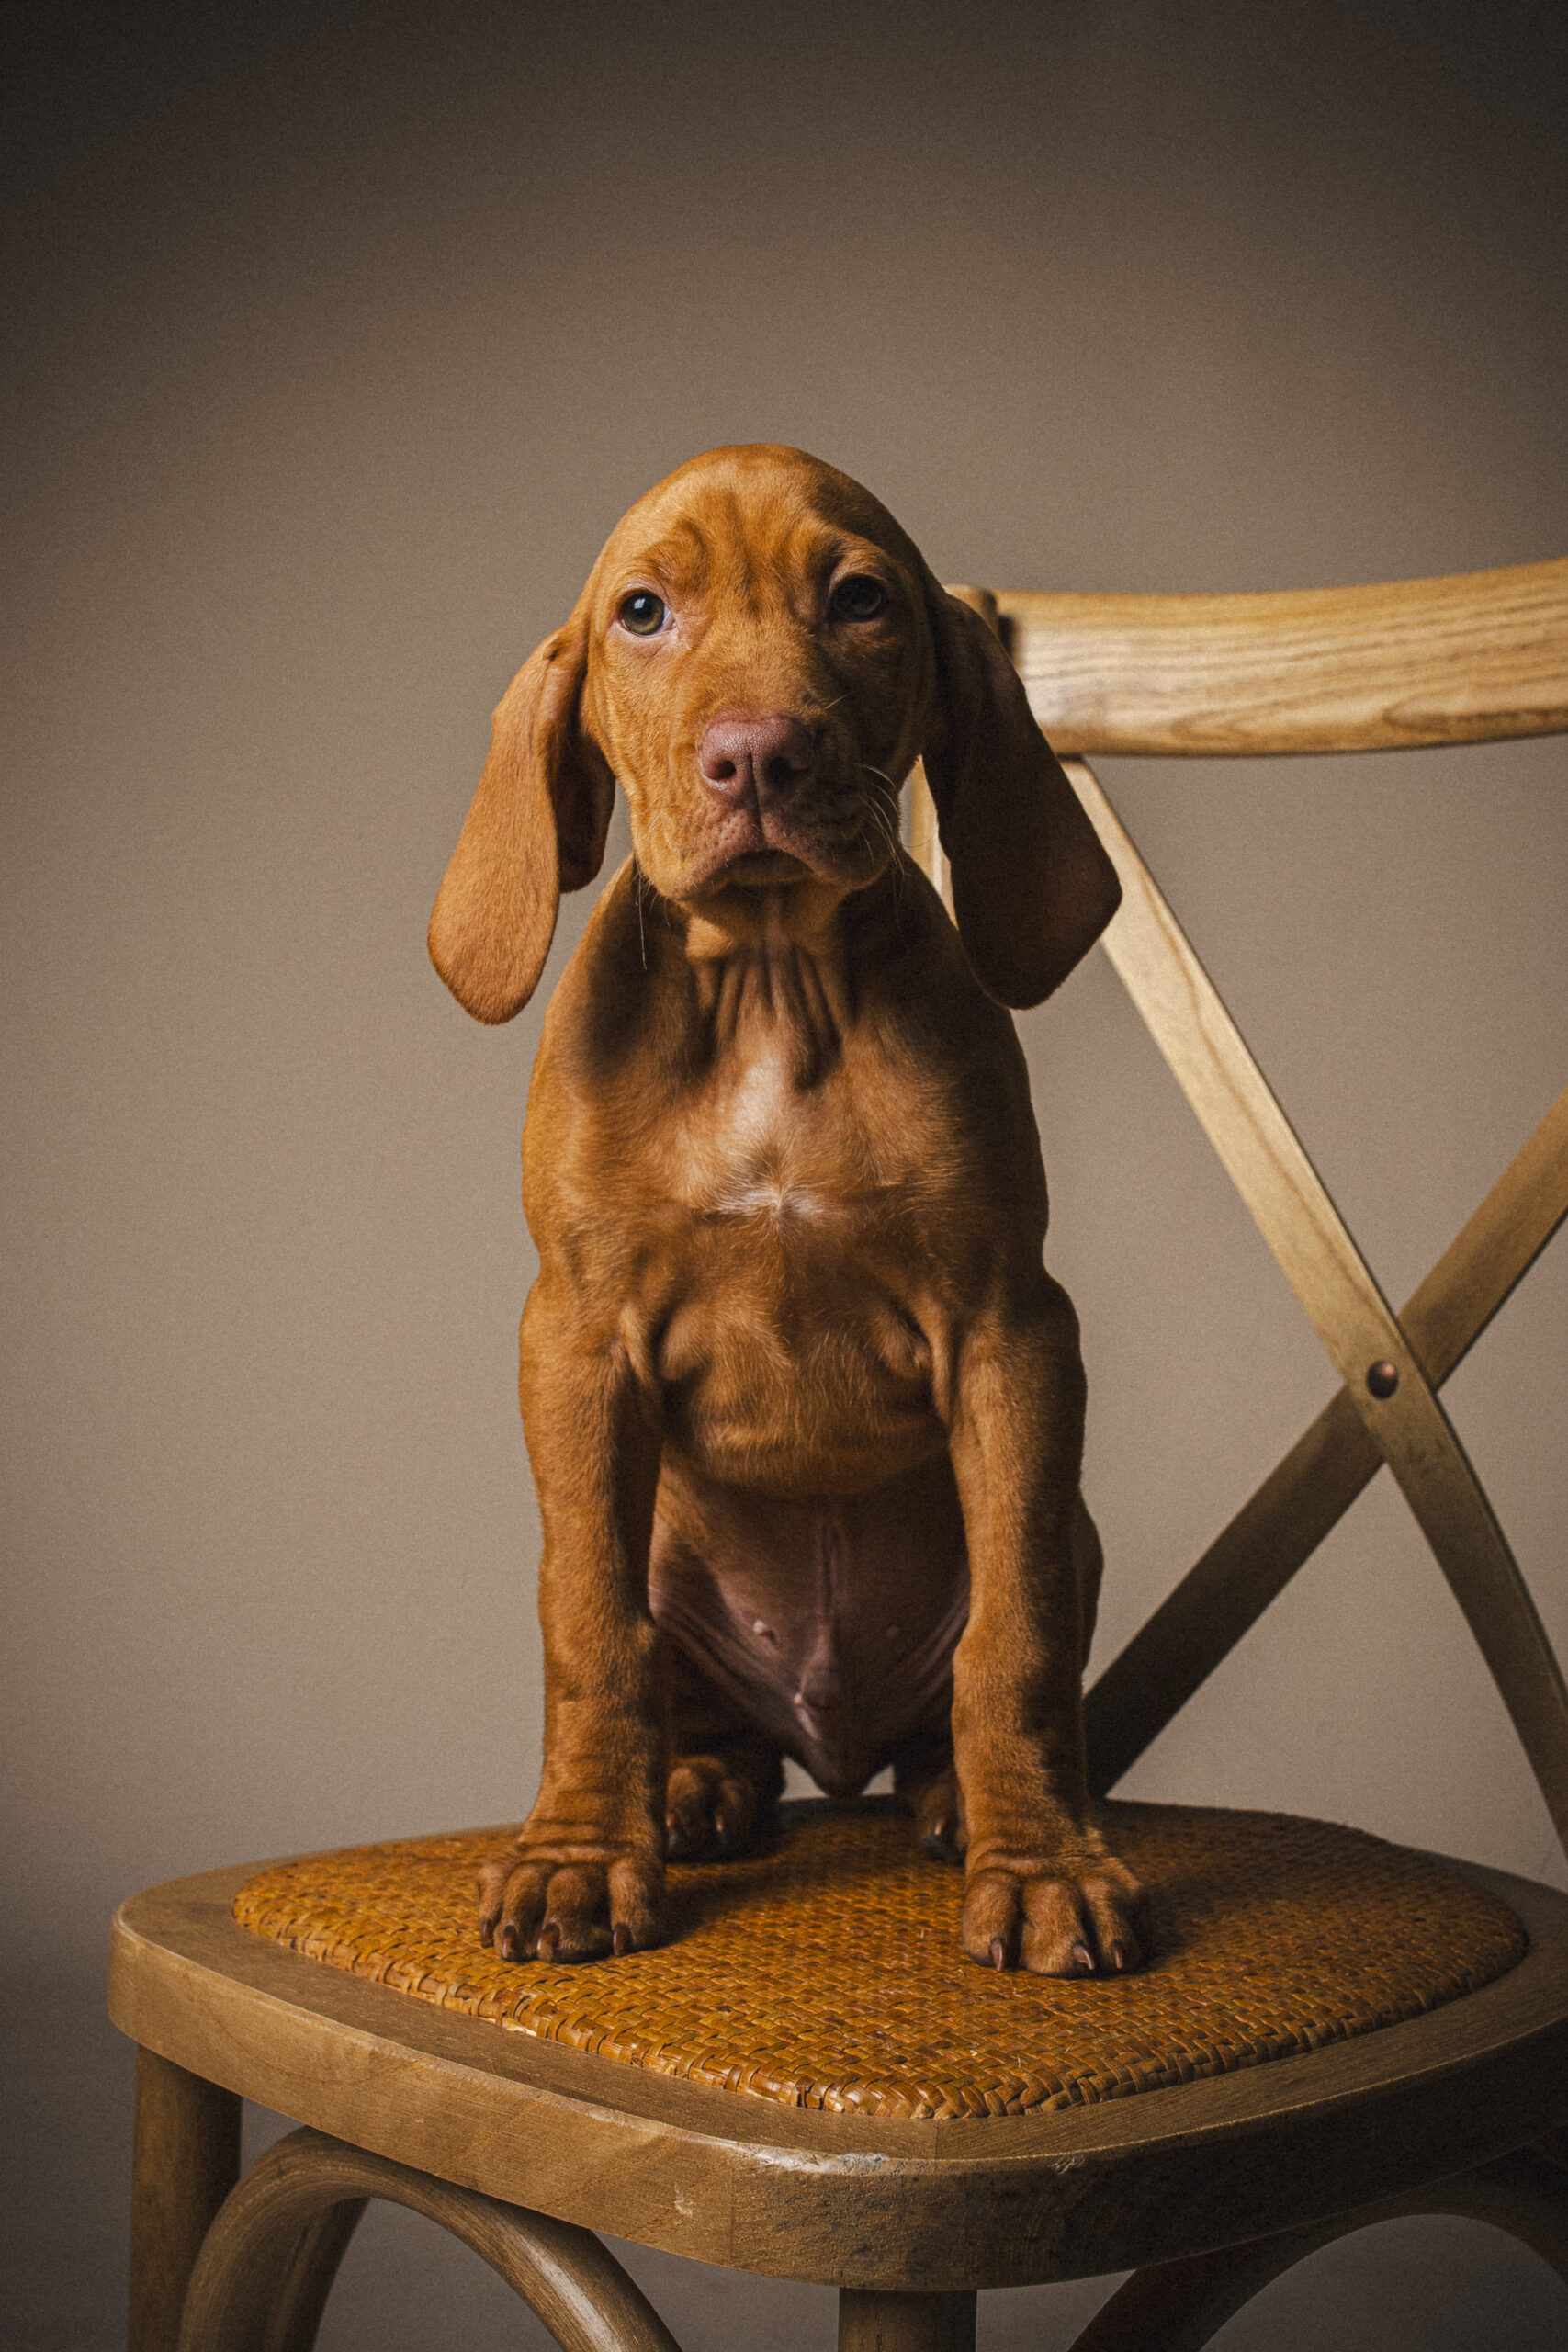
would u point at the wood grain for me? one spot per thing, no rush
(1266, 1161)
(794, 2193)
(186, 2160)
(1253, 1559)
(309, 2275)
(561, 2271)
(1466, 658)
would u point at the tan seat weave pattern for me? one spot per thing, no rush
(827, 1973)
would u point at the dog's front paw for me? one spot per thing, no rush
(711, 1811)
(938, 1807)
(1082, 1915)
(539, 1905)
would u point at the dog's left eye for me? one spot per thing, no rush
(858, 598)
(643, 614)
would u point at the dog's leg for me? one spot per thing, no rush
(926, 1780)
(1088, 1561)
(725, 1777)
(1043, 1892)
(925, 1777)
(588, 1874)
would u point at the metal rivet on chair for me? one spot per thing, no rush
(1383, 1377)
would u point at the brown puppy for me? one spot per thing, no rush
(805, 1409)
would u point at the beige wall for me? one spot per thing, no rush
(338, 355)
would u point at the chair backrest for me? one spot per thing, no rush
(1467, 659)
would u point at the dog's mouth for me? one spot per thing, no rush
(841, 838)
(761, 869)
(843, 862)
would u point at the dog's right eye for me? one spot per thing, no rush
(643, 614)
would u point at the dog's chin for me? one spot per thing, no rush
(772, 864)
(760, 869)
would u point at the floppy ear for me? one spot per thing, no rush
(1032, 887)
(534, 828)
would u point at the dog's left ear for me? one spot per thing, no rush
(1032, 887)
(534, 828)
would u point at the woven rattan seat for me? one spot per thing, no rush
(810, 2081)
(827, 1973)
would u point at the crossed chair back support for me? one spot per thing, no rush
(1472, 657)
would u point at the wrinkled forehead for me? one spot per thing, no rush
(746, 517)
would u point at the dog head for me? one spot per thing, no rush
(759, 657)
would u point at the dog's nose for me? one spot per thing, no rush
(761, 753)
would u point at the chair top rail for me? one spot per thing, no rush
(1468, 658)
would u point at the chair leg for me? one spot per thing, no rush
(871, 2320)
(187, 2161)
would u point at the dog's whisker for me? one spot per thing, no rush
(882, 817)
(886, 813)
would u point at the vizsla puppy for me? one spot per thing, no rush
(804, 1407)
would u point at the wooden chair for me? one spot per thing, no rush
(908, 2182)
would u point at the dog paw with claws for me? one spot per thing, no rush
(1085, 1917)
(711, 1811)
(938, 1808)
(542, 1906)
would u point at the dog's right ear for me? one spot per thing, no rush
(534, 828)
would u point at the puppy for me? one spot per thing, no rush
(803, 1409)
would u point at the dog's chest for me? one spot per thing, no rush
(789, 1347)
(789, 1119)
(758, 1147)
